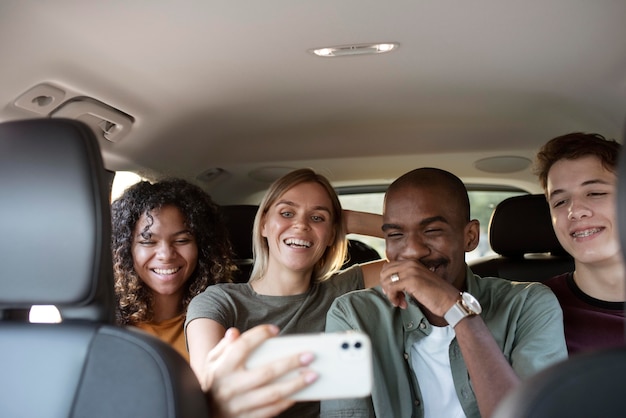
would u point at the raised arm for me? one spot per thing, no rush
(363, 223)
(236, 391)
(490, 373)
(202, 335)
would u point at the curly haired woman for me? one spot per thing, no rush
(169, 243)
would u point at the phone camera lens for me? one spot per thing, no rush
(357, 344)
(345, 346)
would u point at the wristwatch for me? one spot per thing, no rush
(467, 305)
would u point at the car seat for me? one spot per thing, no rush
(56, 227)
(239, 221)
(586, 385)
(527, 249)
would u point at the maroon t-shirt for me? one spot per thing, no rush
(589, 323)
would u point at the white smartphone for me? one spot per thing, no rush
(343, 362)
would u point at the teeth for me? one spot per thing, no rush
(166, 271)
(298, 243)
(585, 233)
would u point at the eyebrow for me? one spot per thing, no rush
(290, 203)
(148, 234)
(584, 183)
(424, 222)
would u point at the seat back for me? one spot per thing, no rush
(239, 221)
(521, 233)
(55, 220)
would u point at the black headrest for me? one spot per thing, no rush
(522, 225)
(239, 220)
(55, 219)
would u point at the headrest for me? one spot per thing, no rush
(522, 225)
(239, 221)
(55, 219)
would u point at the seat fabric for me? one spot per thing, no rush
(55, 218)
(521, 233)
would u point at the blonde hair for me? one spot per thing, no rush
(335, 254)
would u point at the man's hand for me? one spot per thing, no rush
(431, 291)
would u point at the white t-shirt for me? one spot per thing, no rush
(431, 364)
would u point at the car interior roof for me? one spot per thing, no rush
(227, 94)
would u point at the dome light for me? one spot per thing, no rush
(358, 49)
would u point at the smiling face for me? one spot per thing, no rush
(581, 194)
(424, 225)
(299, 228)
(166, 254)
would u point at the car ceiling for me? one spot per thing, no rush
(219, 89)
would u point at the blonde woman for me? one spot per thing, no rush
(299, 244)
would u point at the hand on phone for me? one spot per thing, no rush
(343, 362)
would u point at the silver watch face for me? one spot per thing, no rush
(471, 303)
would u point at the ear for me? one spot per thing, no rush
(331, 239)
(471, 235)
(263, 227)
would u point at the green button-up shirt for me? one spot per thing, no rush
(525, 319)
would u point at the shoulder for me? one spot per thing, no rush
(504, 291)
(354, 271)
(558, 282)
(363, 300)
(345, 280)
(222, 290)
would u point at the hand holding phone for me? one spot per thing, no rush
(343, 362)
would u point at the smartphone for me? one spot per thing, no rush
(343, 362)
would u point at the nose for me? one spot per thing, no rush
(415, 248)
(301, 222)
(165, 252)
(577, 210)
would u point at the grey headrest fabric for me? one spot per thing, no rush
(522, 225)
(54, 218)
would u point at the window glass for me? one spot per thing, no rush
(123, 179)
(482, 204)
(44, 314)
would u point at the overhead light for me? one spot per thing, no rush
(357, 49)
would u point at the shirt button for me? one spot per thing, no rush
(409, 325)
(416, 402)
(406, 356)
(422, 325)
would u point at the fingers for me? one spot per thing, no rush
(391, 280)
(257, 389)
(259, 392)
(433, 292)
(271, 399)
(231, 335)
(240, 346)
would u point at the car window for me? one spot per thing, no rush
(483, 201)
(122, 180)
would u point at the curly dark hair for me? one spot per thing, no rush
(202, 217)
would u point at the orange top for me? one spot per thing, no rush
(170, 331)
